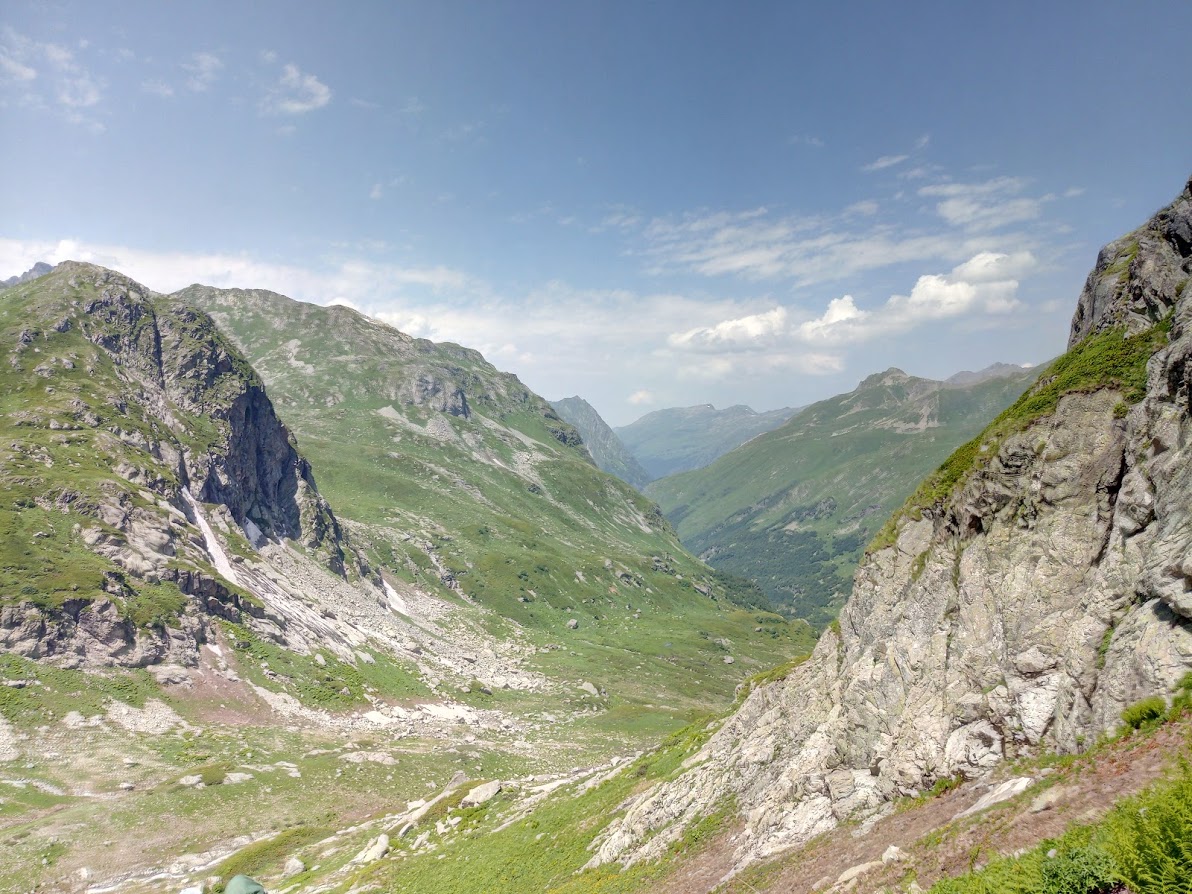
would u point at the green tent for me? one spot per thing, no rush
(242, 884)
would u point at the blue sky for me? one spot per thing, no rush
(646, 204)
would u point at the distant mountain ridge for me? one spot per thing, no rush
(41, 268)
(793, 508)
(678, 439)
(993, 371)
(607, 450)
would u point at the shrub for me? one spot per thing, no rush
(1080, 870)
(1145, 711)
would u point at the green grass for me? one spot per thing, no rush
(545, 851)
(52, 692)
(1146, 712)
(269, 856)
(1145, 843)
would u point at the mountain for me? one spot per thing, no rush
(993, 371)
(41, 268)
(602, 442)
(1031, 594)
(793, 508)
(186, 622)
(124, 414)
(666, 442)
(455, 478)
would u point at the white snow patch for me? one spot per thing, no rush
(396, 602)
(218, 557)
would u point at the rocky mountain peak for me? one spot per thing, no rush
(41, 268)
(1139, 278)
(146, 413)
(891, 376)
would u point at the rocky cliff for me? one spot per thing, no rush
(602, 442)
(1031, 589)
(128, 420)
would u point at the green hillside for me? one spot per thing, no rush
(794, 508)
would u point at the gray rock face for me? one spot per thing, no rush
(183, 414)
(1026, 611)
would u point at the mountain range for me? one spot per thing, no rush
(286, 592)
(674, 440)
(793, 508)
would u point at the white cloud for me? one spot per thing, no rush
(204, 69)
(376, 192)
(988, 205)
(990, 266)
(886, 161)
(158, 88)
(867, 208)
(640, 398)
(742, 333)
(806, 140)
(983, 287)
(79, 92)
(296, 93)
(755, 246)
(268, 56)
(13, 70)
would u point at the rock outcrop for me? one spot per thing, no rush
(138, 408)
(1048, 589)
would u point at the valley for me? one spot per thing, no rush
(290, 593)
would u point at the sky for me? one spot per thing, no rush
(645, 204)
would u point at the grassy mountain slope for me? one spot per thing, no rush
(675, 440)
(794, 508)
(602, 442)
(456, 478)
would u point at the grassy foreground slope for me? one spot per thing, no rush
(794, 508)
(457, 478)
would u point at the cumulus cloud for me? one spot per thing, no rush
(743, 333)
(296, 93)
(983, 286)
(641, 397)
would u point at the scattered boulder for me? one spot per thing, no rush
(589, 688)
(481, 794)
(572, 624)
(1048, 799)
(376, 849)
(1004, 792)
(293, 866)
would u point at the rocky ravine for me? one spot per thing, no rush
(1024, 611)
